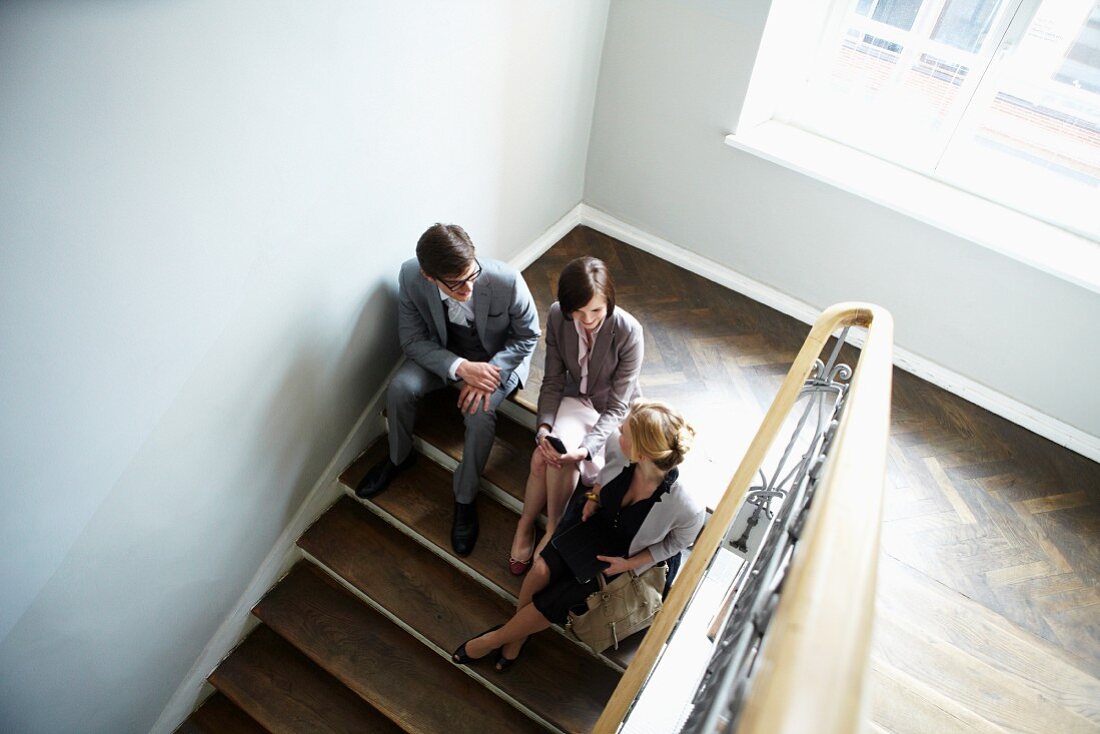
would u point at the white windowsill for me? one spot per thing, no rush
(1019, 236)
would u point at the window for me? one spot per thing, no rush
(997, 97)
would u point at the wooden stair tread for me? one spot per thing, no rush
(526, 399)
(393, 671)
(422, 498)
(284, 691)
(219, 715)
(439, 423)
(555, 679)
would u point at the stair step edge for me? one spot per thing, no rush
(440, 458)
(445, 460)
(427, 544)
(238, 691)
(455, 562)
(215, 711)
(415, 634)
(519, 412)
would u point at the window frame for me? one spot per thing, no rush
(941, 152)
(762, 130)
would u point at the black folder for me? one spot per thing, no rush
(579, 546)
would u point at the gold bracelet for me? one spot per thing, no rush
(592, 497)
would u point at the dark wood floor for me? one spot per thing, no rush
(988, 611)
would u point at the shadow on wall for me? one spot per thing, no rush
(319, 400)
(315, 405)
(175, 544)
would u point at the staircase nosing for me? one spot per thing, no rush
(443, 459)
(466, 569)
(436, 550)
(415, 634)
(251, 621)
(322, 669)
(232, 698)
(231, 692)
(206, 702)
(516, 413)
(519, 413)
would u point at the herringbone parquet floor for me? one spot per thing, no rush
(988, 606)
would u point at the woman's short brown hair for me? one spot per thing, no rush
(444, 250)
(580, 281)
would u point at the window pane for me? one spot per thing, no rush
(1081, 68)
(965, 23)
(889, 87)
(898, 13)
(865, 63)
(1033, 136)
(934, 83)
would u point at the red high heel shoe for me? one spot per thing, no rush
(518, 568)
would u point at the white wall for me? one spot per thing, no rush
(672, 80)
(203, 206)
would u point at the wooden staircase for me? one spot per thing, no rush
(357, 636)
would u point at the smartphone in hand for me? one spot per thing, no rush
(556, 443)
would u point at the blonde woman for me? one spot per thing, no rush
(594, 353)
(644, 517)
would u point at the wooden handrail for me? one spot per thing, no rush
(812, 665)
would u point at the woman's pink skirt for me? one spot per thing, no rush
(575, 418)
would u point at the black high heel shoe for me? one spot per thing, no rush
(503, 663)
(459, 656)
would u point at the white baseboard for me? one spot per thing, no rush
(282, 556)
(705, 267)
(1034, 420)
(547, 239)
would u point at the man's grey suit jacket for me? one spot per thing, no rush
(504, 315)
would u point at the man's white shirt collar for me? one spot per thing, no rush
(460, 313)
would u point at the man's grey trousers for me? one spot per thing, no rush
(413, 382)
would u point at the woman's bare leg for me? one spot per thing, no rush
(537, 579)
(526, 621)
(559, 487)
(534, 500)
(534, 582)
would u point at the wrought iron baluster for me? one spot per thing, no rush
(720, 696)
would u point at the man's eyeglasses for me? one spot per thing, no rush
(454, 285)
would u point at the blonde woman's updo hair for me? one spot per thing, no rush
(659, 432)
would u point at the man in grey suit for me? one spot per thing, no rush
(465, 323)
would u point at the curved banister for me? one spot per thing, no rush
(812, 665)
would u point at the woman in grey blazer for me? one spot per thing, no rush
(594, 354)
(642, 516)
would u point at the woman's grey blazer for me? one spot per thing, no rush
(613, 369)
(674, 521)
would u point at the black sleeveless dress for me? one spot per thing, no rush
(618, 526)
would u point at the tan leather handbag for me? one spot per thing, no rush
(619, 609)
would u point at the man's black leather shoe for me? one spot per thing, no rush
(464, 530)
(380, 476)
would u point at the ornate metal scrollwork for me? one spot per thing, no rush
(759, 583)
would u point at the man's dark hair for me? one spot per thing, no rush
(582, 279)
(444, 251)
